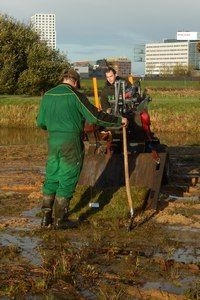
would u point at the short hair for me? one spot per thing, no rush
(110, 69)
(71, 74)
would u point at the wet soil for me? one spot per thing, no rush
(100, 259)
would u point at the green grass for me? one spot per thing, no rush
(171, 84)
(112, 203)
(88, 83)
(174, 114)
(18, 100)
(151, 84)
(170, 110)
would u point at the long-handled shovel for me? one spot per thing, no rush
(127, 180)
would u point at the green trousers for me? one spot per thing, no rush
(64, 164)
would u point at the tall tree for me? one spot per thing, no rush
(27, 65)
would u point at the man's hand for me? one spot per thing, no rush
(124, 122)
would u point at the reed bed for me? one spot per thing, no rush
(18, 115)
(176, 111)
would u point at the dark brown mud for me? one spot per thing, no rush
(100, 259)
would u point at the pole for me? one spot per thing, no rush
(96, 97)
(126, 173)
(130, 78)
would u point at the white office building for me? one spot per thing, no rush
(45, 25)
(161, 58)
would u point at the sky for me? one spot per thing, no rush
(92, 30)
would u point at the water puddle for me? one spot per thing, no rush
(33, 220)
(27, 246)
(184, 229)
(26, 136)
(28, 220)
(178, 289)
(31, 213)
(187, 255)
(21, 136)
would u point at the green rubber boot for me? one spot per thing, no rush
(61, 213)
(47, 209)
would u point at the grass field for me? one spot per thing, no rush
(171, 110)
(152, 84)
(175, 114)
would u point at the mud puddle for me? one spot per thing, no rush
(127, 262)
(27, 246)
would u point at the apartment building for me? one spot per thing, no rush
(121, 64)
(161, 58)
(97, 68)
(45, 25)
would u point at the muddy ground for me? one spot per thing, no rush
(160, 259)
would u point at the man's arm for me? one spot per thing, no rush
(94, 116)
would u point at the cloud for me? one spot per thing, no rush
(93, 28)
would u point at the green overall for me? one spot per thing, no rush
(63, 112)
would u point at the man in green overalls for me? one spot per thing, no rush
(63, 112)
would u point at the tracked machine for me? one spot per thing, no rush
(147, 159)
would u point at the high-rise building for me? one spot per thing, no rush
(45, 26)
(163, 57)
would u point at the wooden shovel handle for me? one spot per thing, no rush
(126, 171)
